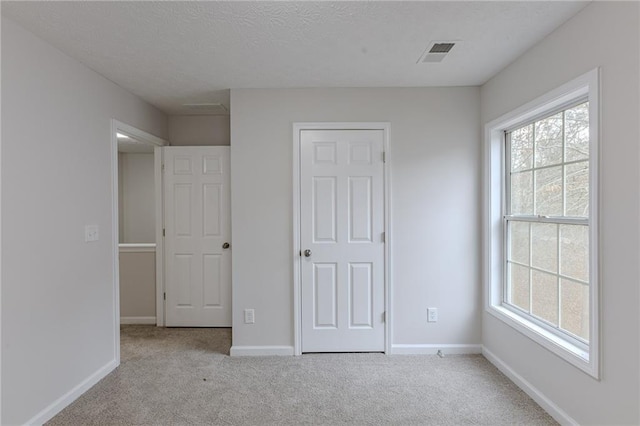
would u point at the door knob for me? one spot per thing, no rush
(226, 246)
(307, 253)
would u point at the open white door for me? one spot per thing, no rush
(342, 240)
(197, 236)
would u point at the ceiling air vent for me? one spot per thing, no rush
(436, 51)
(206, 108)
(441, 47)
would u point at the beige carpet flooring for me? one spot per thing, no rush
(185, 377)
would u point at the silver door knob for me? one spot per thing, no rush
(307, 253)
(226, 246)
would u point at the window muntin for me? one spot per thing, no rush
(547, 222)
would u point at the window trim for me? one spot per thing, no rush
(582, 88)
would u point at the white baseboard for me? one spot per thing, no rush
(261, 350)
(66, 399)
(138, 320)
(447, 349)
(549, 406)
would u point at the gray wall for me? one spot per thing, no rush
(137, 285)
(583, 43)
(434, 158)
(137, 198)
(58, 325)
(195, 130)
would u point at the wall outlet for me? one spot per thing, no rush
(432, 314)
(249, 316)
(91, 233)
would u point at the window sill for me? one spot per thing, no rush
(567, 351)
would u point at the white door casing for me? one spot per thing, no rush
(342, 223)
(197, 226)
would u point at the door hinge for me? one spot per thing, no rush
(163, 232)
(384, 237)
(384, 316)
(164, 295)
(384, 157)
(162, 167)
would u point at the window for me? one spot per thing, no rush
(547, 222)
(542, 236)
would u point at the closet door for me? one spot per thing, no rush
(341, 236)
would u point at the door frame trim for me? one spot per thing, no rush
(158, 164)
(148, 138)
(297, 259)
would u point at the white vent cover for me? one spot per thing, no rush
(206, 108)
(436, 51)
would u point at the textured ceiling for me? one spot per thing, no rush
(171, 53)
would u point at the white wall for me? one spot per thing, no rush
(196, 130)
(137, 197)
(58, 325)
(434, 155)
(604, 34)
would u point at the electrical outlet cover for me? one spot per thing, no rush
(91, 233)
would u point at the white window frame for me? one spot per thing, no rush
(586, 87)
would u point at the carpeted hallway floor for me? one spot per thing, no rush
(185, 377)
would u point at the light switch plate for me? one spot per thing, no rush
(432, 314)
(91, 233)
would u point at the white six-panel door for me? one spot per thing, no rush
(197, 226)
(342, 241)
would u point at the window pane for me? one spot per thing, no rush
(519, 236)
(574, 251)
(544, 251)
(522, 148)
(577, 182)
(548, 138)
(576, 131)
(522, 193)
(549, 191)
(519, 290)
(544, 300)
(575, 308)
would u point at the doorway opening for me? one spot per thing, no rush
(136, 158)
